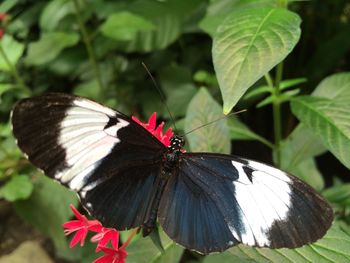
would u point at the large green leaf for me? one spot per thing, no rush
(308, 172)
(124, 26)
(248, 44)
(144, 251)
(168, 17)
(219, 9)
(328, 114)
(334, 247)
(47, 209)
(13, 50)
(49, 47)
(297, 152)
(240, 131)
(19, 187)
(54, 12)
(339, 194)
(176, 81)
(202, 110)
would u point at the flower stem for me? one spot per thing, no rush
(126, 243)
(277, 113)
(19, 81)
(89, 48)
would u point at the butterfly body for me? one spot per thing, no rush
(126, 178)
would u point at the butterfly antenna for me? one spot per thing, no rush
(162, 97)
(211, 122)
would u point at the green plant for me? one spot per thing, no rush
(95, 49)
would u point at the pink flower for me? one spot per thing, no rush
(156, 131)
(112, 255)
(81, 226)
(104, 236)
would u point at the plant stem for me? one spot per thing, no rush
(19, 81)
(130, 237)
(277, 113)
(89, 48)
(268, 80)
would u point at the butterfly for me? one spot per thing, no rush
(126, 178)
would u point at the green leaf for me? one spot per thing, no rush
(125, 25)
(308, 172)
(248, 44)
(19, 187)
(144, 251)
(177, 84)
(268, 100)
(285, 84)
(297, 152)
(13, 50)
(219, 9)
(334, 247)
(49, 47)
(54, 12)
(258, 91)
(240, 131)
(4, 87)
(329, 119)
(339, 194)
(47, 209)
(167, 25)
(212, 138)
(285, 96)
(6, 5)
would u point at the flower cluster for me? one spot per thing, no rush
(103, 236)
(3, 17)
(156, 131)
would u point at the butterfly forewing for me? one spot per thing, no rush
(234, 200)
(86, 147)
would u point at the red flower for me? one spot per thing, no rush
(82, 226)
(156, 131)
(104, 236)
(3, 16)
(112, 255)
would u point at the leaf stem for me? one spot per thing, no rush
(89, 48)
(19, 81)
(277, 113)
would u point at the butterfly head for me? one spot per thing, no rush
(176, 143)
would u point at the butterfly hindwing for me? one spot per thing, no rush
(234, 200)
(83, 144)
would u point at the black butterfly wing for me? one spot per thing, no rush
(106, 157)
(215, 201)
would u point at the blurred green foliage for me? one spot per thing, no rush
(205, 55)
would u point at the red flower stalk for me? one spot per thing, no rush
(81, 226)
(156, 131)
